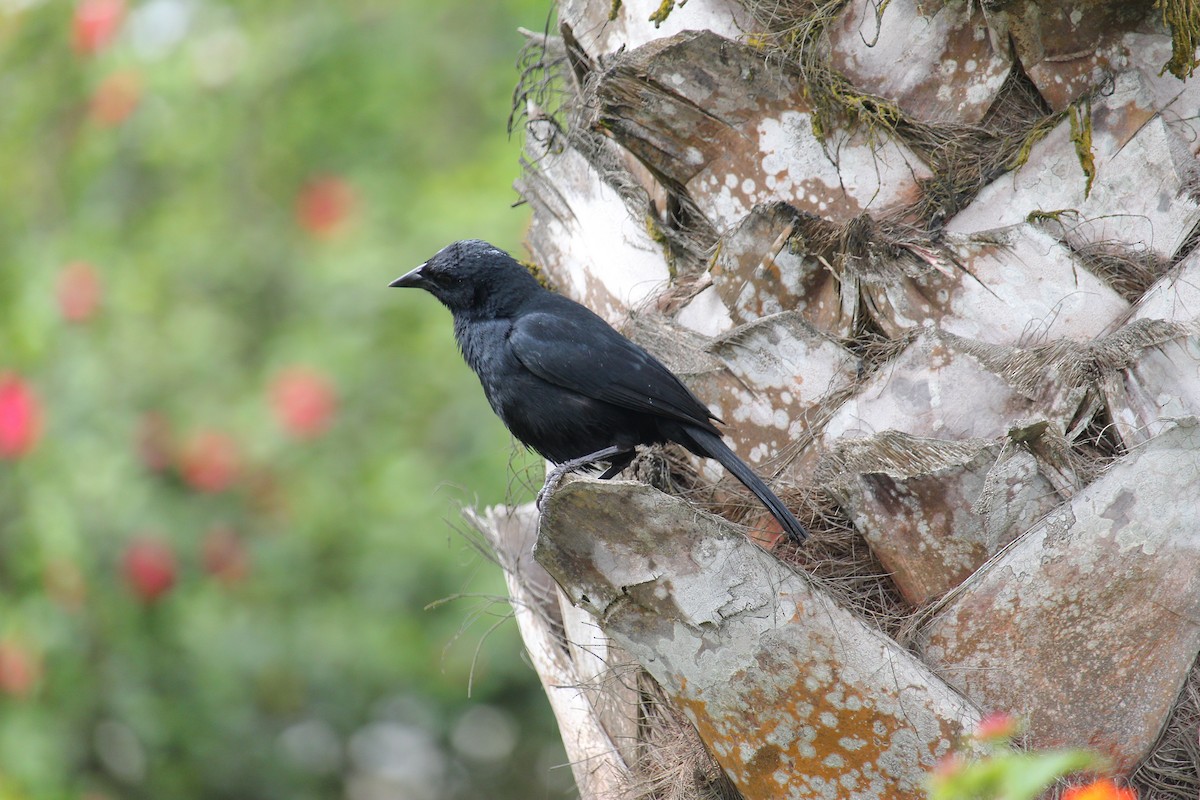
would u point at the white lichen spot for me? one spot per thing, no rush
(731, 181)
(978, 93)
(748, 186)
(852, 743)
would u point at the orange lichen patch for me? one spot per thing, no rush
(795, 696)
(816, 736)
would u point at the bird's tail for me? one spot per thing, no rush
(711, 445)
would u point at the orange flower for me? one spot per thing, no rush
(1099, 790)
(116, 98)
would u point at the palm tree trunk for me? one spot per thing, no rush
(936, 265)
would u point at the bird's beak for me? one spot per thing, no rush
(413, 278)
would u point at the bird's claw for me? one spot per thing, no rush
(553, 479)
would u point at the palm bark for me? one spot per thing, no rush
(936, 265)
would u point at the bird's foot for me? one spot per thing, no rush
(554, 477)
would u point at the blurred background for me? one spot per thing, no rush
(231, 460)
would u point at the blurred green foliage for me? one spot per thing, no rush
(198, 199)
(988, 766)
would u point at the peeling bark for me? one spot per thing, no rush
(780, 370)
(946, 40)
(1163, 382)
(712, 118)
(946, 371)
(1089, 623)
(934, 511)
(607, 27)
(1070, 48)
(583, 232)
(796, 697)
(1143, 171)
(1009, 290)
(595, 760)
(758, 272)
(937, 388)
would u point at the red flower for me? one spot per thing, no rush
(1099, 790)
(116, 98)
(997, 727)
(223, 555)
(20, 417)
(19, 669)
(209, 461)
(78, 291)
(95, 24)
(149, 568)
(324, 206)
(304, 401)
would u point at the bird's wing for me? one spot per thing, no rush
(579, 351)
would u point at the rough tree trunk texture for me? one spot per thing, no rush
(935, 264)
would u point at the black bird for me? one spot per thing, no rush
(562, 380)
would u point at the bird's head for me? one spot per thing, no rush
(472, 276)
